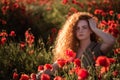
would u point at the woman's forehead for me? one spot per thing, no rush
(82, 22)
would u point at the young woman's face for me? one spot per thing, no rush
(83, 31)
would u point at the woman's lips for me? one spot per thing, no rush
(80, 34)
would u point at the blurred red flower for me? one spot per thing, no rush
(29, 37)
(3, 40)
(33, 76)
(77, 62)
(24, 77)
(3, 34)
(61, 62)
(48, 66)
(82, 74)
(16, 5)
(40, 67)
(102, 61)
(112, 60)
(111, 12)
(110, 22)
(74, 1)
(22, 45)
(118, 16)
(104, 13)
(115, 73)
(12, 34)
(102, 24)
(58, 78)
(117, 51)
(64, 1)
(98, 11)
(45, 77)
(114, 32)
(15, 76)
(4, 9)
(70, 55)
(5, 2)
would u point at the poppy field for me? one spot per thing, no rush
(28, 29)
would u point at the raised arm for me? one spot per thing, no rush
(108, 40)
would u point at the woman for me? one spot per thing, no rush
(80, 34)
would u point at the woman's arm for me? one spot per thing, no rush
(108, 40)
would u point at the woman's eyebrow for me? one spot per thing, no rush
(82, 25)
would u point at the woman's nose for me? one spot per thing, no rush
(80, 30)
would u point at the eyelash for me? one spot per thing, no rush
(84, 27)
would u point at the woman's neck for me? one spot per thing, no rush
(84, 44)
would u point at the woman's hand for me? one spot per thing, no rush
(93, 24)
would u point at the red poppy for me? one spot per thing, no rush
(16, 5)
(103, 24)
(114, 32)
(58, 78)
(33, 76)
(64, 1)
(12, 34)
(5, 2)
(24, 77)
(116, 51)
(61, 62)
(115, 73)
(82, 74)
(102, 61)
(30, 39)
(3, 34)
(40, 67)
(98, 11)
(111, 12)
(15, 76)
(103, 13)
(45, 77)
(112, 60)
(77, 62)
(22, 45)
(48, 66)
(118, 16)
(110, 22)
(3, 40)
(74, 1)
(4, 9)
(27, 33)
(70, 55)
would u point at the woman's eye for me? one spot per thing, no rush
(84, 27)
